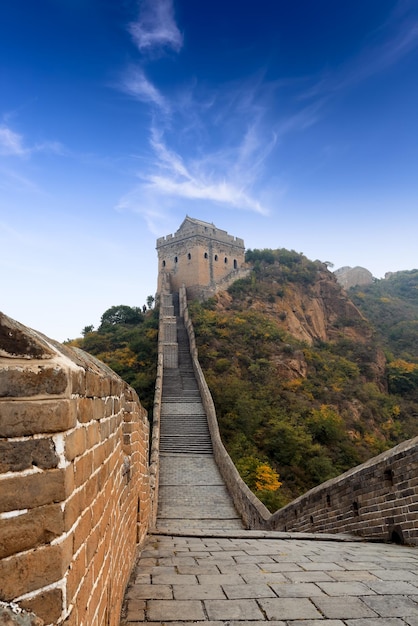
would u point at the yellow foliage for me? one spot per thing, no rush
(404, 366)
(293, 385)
(267, 479)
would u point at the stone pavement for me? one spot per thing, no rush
(192, 495)
(226, 578)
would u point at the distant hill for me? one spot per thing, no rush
(391, 305)
(298, 371)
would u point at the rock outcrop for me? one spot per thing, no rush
(353, 276)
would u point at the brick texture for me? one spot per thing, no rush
(74, 482)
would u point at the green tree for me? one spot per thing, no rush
(121, 314)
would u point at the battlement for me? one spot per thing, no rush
(192, 228)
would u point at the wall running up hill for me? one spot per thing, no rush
(74, 480)
(377, 500)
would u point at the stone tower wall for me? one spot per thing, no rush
(74, 480)
(198, 255)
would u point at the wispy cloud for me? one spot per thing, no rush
(11, 143)
(156, 27)
(386, 47)
(14, 144)
(137, 85)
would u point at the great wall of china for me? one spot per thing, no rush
(79, 478)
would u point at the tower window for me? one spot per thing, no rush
(235, 264)
(216, 257)
(163, 263)
(189, 256)
(176, 259)
(225, 260)
(206, 255)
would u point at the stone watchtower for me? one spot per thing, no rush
(200, 256)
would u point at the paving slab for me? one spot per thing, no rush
(170, 584)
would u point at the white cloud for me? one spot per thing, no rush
(156, 27)
(137, 85)
(11, 143)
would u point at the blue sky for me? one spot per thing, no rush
(290, 124)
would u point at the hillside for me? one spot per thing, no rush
(126, 340)
(391, 304)
(298, 376)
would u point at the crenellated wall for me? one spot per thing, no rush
(74, 480)
(377, 500)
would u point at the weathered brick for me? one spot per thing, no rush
(32, 570)
(27, 492)
(93, 386)
(85, 409)
(34, 528)
(16, 456)
(76, 573)
(47, 604)
(21, 418)
(92, 434)
(82, 468)
(75, 443)
(98, 408)
(32, 380)
(82, 529)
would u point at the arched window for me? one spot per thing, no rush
(235, 264)
(226, 260)
(176, 259)
(189, 256)
(163, 263)
(206, 255)
(216, 257)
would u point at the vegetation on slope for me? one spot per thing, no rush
(297, 376)
(392, 306)
(126, 340)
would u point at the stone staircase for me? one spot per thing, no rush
(192, 493)
(184, 427)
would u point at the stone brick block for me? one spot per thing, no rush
(98, 408)
(47, 604)
(27, 492)
(16, 456)
(75, 443)
(21, 418)
(32, 380)
(83, 468)
(93, 384)
(34, 528)
(28, 571)
(78, 382)
(85, 409)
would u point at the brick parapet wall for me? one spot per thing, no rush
(74, 480)
(377, 500)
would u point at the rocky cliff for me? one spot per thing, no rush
(353, 276)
